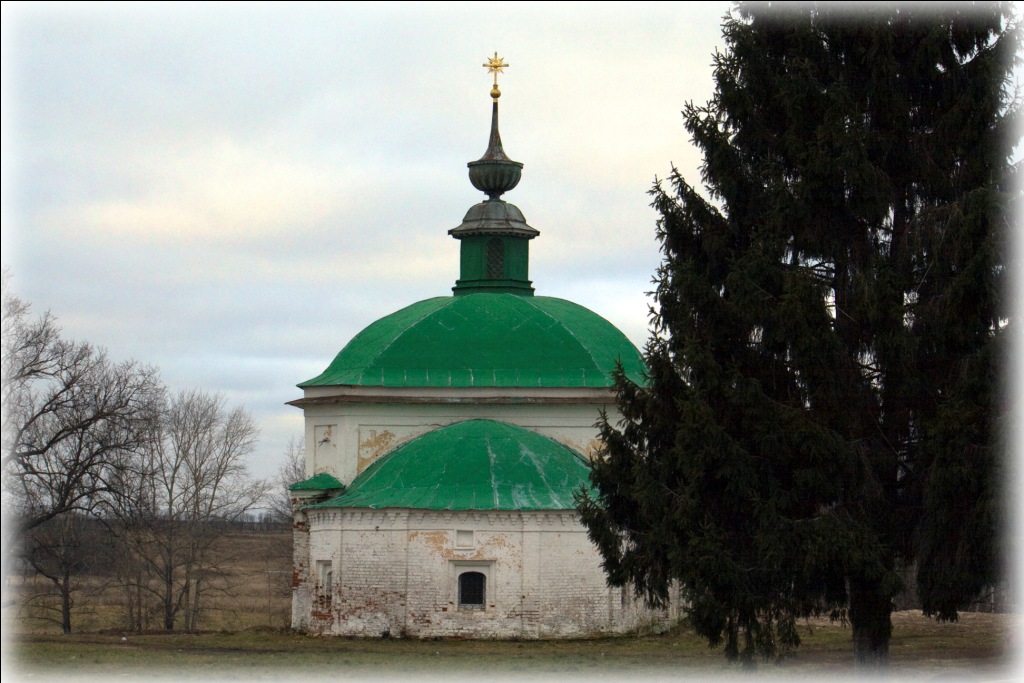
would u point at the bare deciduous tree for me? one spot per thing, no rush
(198, 487)
(292, 470)
(71, 419)
(83, 435)
(62, 551)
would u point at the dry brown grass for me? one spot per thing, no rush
(244, 636)
(254, 591)
(976, 648)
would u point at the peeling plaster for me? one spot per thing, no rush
(372, 446)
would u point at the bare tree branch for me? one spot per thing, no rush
(291, 470)
(195, 486)
(71, 418)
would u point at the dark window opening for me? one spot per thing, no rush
(324, 586)
(495, 258)
(472, 590)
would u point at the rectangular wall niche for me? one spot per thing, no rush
(464, 538)
(324, 582)
(325, 448)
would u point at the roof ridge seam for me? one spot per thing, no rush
(407, 328)
(569, 331)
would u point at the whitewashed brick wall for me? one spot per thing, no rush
(343, 439)
(394, 574)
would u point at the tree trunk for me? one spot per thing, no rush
(139, 625)
(136, 617)
(65, 600)
(192, 604)
(871, 621)
(185, 599)
(168, 599)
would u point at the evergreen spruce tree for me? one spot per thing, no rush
(824, 390)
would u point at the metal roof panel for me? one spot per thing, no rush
(472, 465)
(485, 340)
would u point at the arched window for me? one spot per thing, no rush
(472, 590)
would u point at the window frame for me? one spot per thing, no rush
(475, 589)
(324, 583)
(483, 567)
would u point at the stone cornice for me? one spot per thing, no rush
(475, 396)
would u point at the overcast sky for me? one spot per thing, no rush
(231, 193)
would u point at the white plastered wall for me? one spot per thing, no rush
(343, 438)
(395, 571)
(543, 576)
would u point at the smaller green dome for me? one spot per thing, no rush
(472, 465)
(318, 482)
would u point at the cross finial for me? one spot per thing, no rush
(494, 66)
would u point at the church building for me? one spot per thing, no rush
(445, 444)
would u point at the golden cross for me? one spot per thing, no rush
(494, 66)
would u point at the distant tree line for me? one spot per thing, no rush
(106, 471)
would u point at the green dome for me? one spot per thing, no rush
(318, 482)
(472, 465)
(485, 340)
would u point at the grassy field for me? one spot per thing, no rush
(977, 648)
(243, 638)
(252, 590)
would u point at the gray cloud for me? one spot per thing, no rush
(232, 193)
